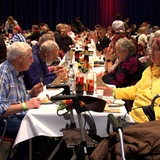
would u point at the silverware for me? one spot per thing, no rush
(41, 79)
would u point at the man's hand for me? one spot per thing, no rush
(33, 103)
(38, 88)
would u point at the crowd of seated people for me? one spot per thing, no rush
(123, 58)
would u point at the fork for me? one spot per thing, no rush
(41, 79)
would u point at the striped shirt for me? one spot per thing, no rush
(12, 88)
(18, 38)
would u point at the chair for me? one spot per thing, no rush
(4, 122)
(3, 139)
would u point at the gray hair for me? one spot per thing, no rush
(46, 37)
(48, 45)
(17, 49)
(126, 44)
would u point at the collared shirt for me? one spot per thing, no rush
(12, 87)
(37, 70)
(142, 93)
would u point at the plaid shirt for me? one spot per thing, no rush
(12, 88)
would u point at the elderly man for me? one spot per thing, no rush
(38, 71)
(14, 98)
(64, 41)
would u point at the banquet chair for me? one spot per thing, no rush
(5, 153)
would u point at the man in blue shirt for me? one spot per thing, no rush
(38, 71)
(14, 98)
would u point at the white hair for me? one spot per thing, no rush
(17, 49)
(46, 37)
(48, 45)
(126, 44)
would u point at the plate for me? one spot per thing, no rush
(50, 92)
(49, 102)
(54, 91)
(110, 85)
(117, 103)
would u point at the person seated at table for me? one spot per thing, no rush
(110, 32)
(35, 33)
(70, 32)
(64, 41)
(102, 41)
(35, 50)
(145, 89)
(43, 38)
(14, 98)
(58, 29)
(39, 71)
(9, 24)
(127, 69)
(79, 27)
(17, 35)
(44, 28)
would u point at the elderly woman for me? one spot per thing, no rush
(145, 89)
(127, 69)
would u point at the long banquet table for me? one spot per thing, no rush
(45, 121)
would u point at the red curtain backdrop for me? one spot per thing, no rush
(107, 11)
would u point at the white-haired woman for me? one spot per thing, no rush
(127, 69)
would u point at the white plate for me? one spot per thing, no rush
(116, 103)
(110, 85)
(50, 92)
(49, 102)
(54, 91)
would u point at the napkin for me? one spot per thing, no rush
(43, 94)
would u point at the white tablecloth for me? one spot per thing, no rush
(45, 121)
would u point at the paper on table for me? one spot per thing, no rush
(43, 94)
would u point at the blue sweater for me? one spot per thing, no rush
(37, 70)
